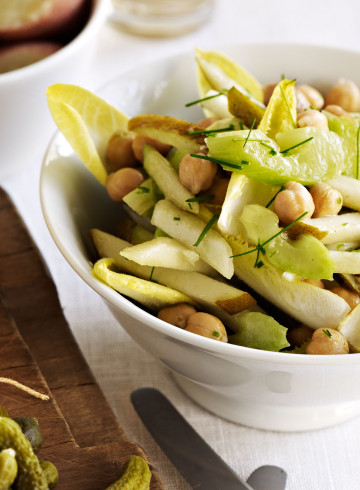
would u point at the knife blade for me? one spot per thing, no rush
(193, 457)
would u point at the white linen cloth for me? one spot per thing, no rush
(322, 460)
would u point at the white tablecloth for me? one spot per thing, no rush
(326, 459)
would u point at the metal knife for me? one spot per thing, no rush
(193, 457)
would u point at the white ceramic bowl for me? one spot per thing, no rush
(261, 389)
(25, 117)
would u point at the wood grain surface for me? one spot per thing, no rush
(82, 437)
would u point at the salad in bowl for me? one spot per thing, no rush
(242, 227)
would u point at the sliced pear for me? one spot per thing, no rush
(174, 132)
(166, 252)
(350, 328)
(341, 228)
(244, 108)
(346, 262)
(349, 189)
(87, 122)
(315, 307)
(280, 114)
(217, 297)
(188, 229)
(150, 294)
(217, 71)
(300, 228)
(167, 179)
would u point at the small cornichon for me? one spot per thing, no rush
(136, 475)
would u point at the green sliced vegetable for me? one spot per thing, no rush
(321, 159)
(244, 108)
(143, 199)
(346, 262)
(259, 331)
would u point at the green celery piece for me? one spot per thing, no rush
(318, 160)
(175, 156)
(348, 132)
(306, 257)
(259, 331)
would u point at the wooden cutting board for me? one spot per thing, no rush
(81, 434)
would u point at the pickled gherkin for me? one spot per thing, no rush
(30, 475)
(8, 468)
(136, 476)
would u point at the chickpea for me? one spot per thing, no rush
(318, 284)
(204, 123)
(138, 146)
(123, 181)
(327, 200)
(327, 341)
(177, 315)
(218, 190)
(196, 174)
(316, 100)
(297, 336)
(268, 91)
(119, 153)
(339, 112)
(312, 118)
(207, 325)
(302, 103)
(293, 202)
(350, 297)
(346, 94)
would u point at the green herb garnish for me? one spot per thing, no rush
(260, 246)
(201, 198)
(338, 200)
(142, 190)
(297, 145)
(216, 334)
(210, 131)
(282, 188)
(151, 274)
(326, 332)
(220, 162)
(198, 101)
(176, 218)
(205, 230)
(241, 125)
(248, 136)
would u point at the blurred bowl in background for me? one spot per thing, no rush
(25, 118)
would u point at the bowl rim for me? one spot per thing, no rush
(99, 11)
(121, 303)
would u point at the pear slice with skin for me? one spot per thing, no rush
(169, 130)
(350, 328)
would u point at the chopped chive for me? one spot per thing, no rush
(339, 246)
(198, 101)
(291, 81)
(210, 131)
(251, 128)
(216, 160)
(326, 332)
(201, 198)
(287, 104)
(260, 264)
(151, 274)
(297, 145)
(260, 246)
(241, 125)
(357, 153)
(338, 200)
(216, 334)
(344, 224)
(282, 76)
(273, 198)
(189, 203)
(176, 218)
(142, 190)
(205, 230)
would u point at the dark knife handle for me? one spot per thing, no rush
(193, 457)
